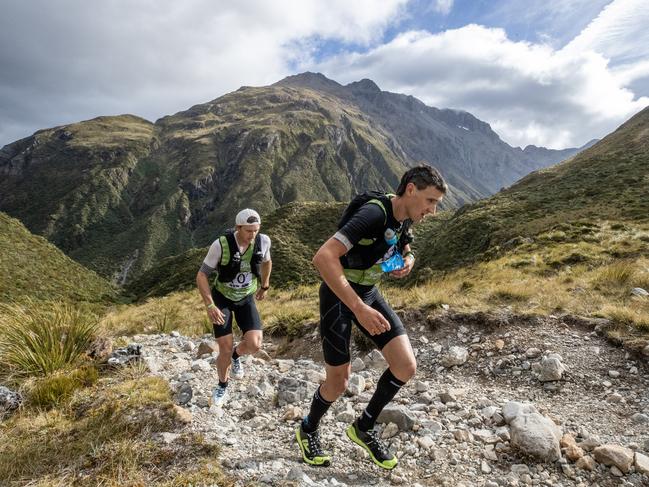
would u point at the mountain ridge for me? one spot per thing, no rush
(120, 193)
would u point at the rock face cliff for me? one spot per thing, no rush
(120, 193)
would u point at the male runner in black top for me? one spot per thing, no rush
(350, 265)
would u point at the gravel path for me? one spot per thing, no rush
(446, 426)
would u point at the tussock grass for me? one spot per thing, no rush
(615, 275)
(37, 340)
(289, 322)
(632, 315)
(53, 390)
(105, 435)
(286, 312)
(510, 292)
(181, 311)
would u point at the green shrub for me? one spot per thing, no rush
(38, 340)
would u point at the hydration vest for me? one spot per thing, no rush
(368, 251)
(230, 264)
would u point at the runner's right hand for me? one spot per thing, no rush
(373, 321)
(216, 316)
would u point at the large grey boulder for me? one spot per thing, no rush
(536, 435)
(397, 415)
(513, 409)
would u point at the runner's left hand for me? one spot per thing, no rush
(261, 293)
(405, 270)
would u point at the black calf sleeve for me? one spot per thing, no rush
(386, 389)
(319, 406)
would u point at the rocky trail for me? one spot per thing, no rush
(497, 400)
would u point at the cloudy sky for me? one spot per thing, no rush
(555, 73)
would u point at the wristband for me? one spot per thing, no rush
(265, 288)
(410, 252)
(211, 306)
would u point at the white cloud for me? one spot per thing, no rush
(620, 32)
(553, 22)
(529, 93)
(443, 6)
(72, 59)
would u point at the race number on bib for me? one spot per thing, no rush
(242, 280)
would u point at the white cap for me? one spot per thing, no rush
(247, 217)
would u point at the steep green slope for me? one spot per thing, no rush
(31, 267)
(98, 191)
(266, 147)
(609, 181)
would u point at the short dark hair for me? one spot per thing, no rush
(422, 176)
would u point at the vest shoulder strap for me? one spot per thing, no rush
(225, 248)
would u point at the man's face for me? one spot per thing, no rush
(422, 202)
(247, 233)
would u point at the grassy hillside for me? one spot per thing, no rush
(609, 182)
(31, 267)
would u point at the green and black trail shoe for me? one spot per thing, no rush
(311, 450)
(368, 440)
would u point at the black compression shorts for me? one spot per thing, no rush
(336, 322)
(245, 312)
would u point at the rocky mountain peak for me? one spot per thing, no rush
(364, 85)
(308, 79)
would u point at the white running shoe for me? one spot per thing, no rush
(219, 396)
(236, 372)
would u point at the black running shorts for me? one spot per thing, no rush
(244, 311)
(336, 322)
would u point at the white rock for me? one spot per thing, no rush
(512, 409)
(358, 365)
(375, 360)
(169, 438)
(551, 369)
(284, 365)
(641, 463)
(201, 365)
(532, 353)
(426, 442)
(536, 435)
(454, 356)
(390, 430)
(356, 385)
